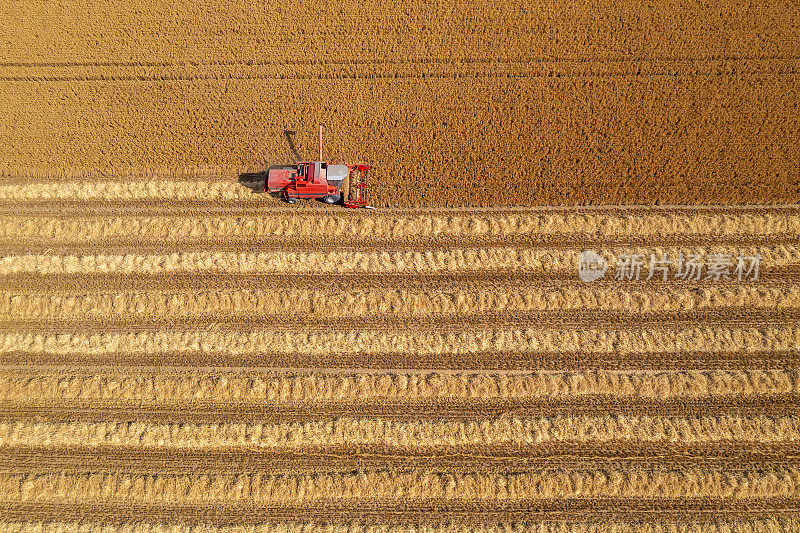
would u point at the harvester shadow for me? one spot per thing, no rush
(256, 181)
(253, 180)
(292, 146)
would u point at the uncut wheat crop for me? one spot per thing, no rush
(470, 103)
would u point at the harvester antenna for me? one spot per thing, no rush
(320, 142)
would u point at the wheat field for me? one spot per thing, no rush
(181, 355)
(472, 103)
(331, 370)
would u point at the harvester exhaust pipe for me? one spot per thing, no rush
(320, 142)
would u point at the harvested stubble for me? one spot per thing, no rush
(470, 103)
(402, 371)
(288, 228)
(412, 260)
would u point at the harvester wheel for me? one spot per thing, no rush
(291, 200)
(332, 198)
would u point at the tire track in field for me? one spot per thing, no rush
(395, 513)
(562, 68)
(730, 456)
(234, 412)
(291, 323)
(770, 279)
(119, 246)
(717, 525)
(34, 245)
(481, 361)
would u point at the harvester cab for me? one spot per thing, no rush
(320, 180)
(311, 181)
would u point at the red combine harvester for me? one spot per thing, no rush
(320, 180)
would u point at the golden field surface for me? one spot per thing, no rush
(178, 354)
(242, 369)
(453, 104)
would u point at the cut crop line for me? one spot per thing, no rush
(428, 234)
(296, 388)
(379, 227)
(518, 260)
(506, 430)
(348, 488)
(393, 223)
(224, 305)
(214, 341)
(83, 191)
